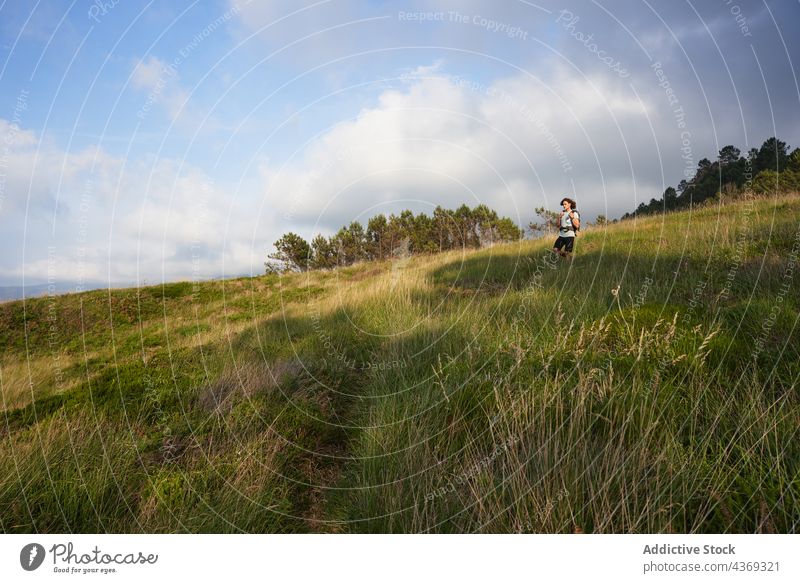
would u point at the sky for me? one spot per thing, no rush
(143, 142)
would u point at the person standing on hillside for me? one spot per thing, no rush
(568, 223)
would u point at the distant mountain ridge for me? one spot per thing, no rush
(17, 292)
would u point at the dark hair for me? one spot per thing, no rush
(571, 202)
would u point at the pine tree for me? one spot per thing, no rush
(293, 251)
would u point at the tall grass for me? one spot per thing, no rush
(649, 385)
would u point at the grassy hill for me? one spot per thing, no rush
(650, 385)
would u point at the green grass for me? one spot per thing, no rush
(650, 385)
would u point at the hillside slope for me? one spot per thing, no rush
(650, 385)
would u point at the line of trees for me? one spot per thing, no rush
(387, 237)
(763, 170)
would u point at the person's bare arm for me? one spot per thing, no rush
(576, 221)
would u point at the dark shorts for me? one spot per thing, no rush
(565, 242)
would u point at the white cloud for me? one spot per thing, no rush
(160, 82)
(148, 74)
(120, 220)
(12, 134)
(513, 144)
(37, 172)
